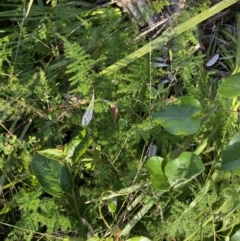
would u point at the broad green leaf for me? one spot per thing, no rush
(54, 176)
(236, 236)
(230, 158)
(155, 167)
(53, 154)
(235, 139)
(138, 239)
(231, 86)
(184, 168)
(81, 148)
(70, 148)
(180, 119)
(77, 146)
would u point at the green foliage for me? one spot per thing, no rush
(79, 67)
(229, 88)
(158, 179)
(39, 212)
(53, 176)
(180, 119)
(95, 179)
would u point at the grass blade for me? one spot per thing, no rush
(166, 36)
(138, 217)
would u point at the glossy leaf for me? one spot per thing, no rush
(181, 119)
(54, 176)
(70, 148)
(231, 86)
(236, 236)
(235, 139)
(53, 153)
(81, 148)
(230, 158)
(157, 177)
(184, 168)
(77, 146)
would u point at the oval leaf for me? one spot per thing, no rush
(180, 119)
(54, 176)
(236, 236)
(230, 158)
(157, 177)
(184, 168)
(236, 138)
(231, 86)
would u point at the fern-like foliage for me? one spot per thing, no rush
(79, 67)
(39, 217)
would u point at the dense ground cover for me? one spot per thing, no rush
(110, 131)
